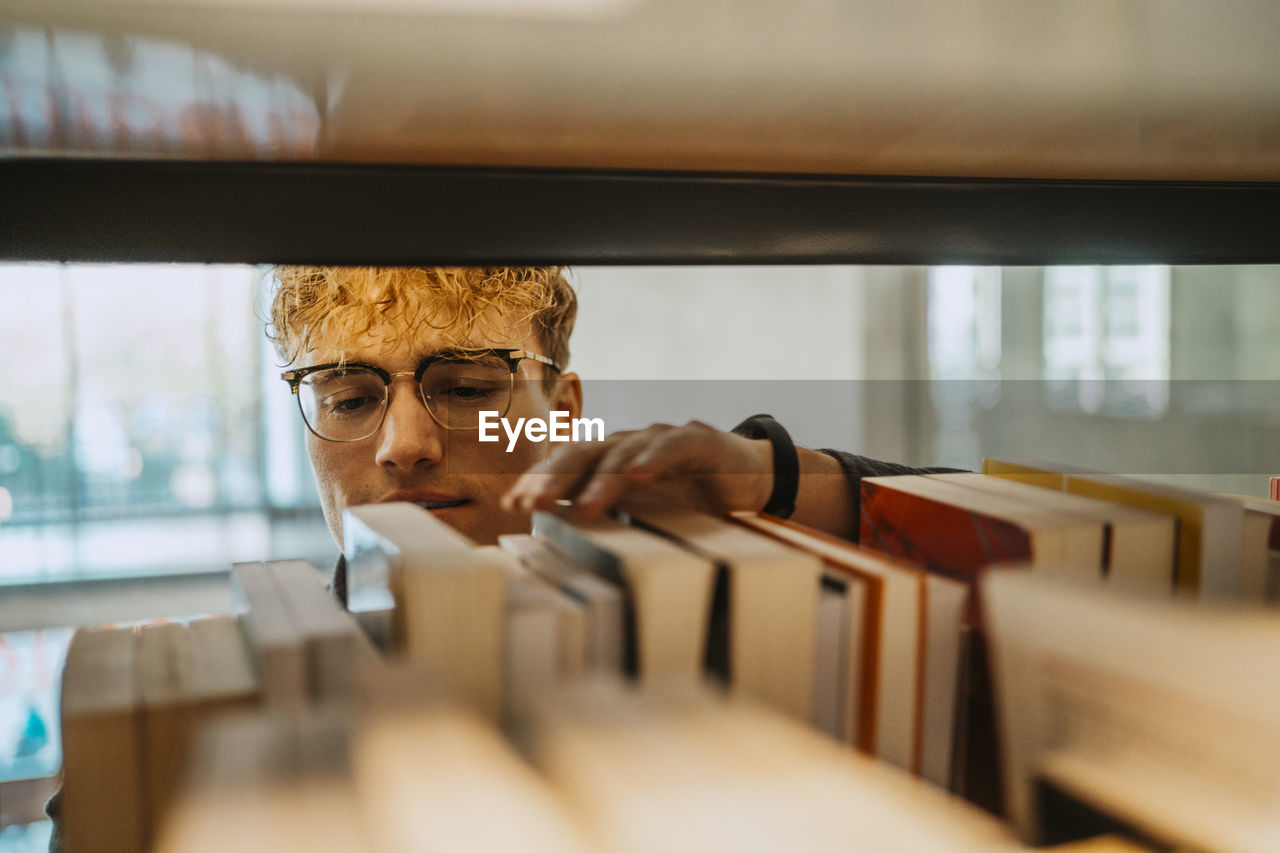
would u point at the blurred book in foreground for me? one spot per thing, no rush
(1155, 716)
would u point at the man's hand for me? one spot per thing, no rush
(708, 469)
(695, 464)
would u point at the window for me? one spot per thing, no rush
(963, 329)
(133, 430)
(1106, 339)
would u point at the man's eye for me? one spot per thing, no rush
(467, 393)
(349, 405)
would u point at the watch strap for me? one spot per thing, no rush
(786, 462)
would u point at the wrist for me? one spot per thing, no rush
(758, 484)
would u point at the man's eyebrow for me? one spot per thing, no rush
(446, 352)
(335, 369)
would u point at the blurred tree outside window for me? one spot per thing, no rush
(135, 392)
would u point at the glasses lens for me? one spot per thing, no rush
(343, 404)
(457, 392)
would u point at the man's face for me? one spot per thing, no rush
(413, 458)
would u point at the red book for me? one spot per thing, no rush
(952, 530)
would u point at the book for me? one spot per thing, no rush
(694, 772)
(958, 531)
(1157, 714)
(163, 674)
(267, 782)
(668, 590)
(185, 675)
(405, 775)
(453, 614)
(449, 596)
(773, 602)
(1259, 548)
(840, 656)
(102, 775)
(439, 778)
(913, 650)
(888, 695)
(1209, 528)
(1139, 546)
(335, 649)
(221, 675)
(945, 655)
(602, 602)
(277, 644)
(545, 642)
(1099, 844)
(372, 540)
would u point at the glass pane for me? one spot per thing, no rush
(31, 838)
(165, 414)
(30, 675)
(132, 432)
(36, 472)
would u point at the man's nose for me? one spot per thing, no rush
(409, 436)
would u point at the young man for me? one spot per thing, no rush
(392, 365)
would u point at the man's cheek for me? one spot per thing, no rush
(335, 491)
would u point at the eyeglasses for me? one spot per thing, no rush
(347, 401)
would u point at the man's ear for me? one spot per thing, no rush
(567, 395)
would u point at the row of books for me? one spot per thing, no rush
(1131, 533)
(884, 649)
(1124, 712)
(865, 648)
(134, 697)
(880, 646)
(600, 766)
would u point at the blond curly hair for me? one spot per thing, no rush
(313, 306)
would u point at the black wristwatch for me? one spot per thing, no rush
(786, 462)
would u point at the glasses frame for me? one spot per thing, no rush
(512, 357)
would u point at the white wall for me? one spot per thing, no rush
(671, 344)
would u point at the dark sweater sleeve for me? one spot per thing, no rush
(53, 808)
(856, 467)
(338, 584)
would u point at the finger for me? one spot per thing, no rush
(558, 476)
(614, 475)
(534, 490)
(718, 470)
(687, 449)
(674, 460)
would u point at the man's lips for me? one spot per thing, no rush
(441, 504)
(426, 500)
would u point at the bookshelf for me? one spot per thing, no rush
(830, 133)
(113, 202)
(248, 212)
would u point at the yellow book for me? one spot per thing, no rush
(1210, 529)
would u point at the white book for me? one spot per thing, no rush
(602, 601)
